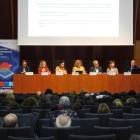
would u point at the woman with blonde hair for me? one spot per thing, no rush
(103, 109)
(78, 66)
(131, 100)
(117, 102)
(43, 67)
(112, 68)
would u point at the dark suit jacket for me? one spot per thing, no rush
(92, 69)
(27, 69)
(128, 68)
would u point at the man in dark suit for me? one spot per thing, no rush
(96, 67)
(132, 66)
(24, 68)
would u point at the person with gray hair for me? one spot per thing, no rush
(62, 121)
(96, 67)
(64, 101)
(10, 120)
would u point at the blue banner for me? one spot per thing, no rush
(9, 63)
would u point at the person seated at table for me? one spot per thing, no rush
(43, 67)
(78, 67)
(24, 68)
(112, 68)
(96, 67)
(61, 68)
(131, 66)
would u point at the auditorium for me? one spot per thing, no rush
(70, 70)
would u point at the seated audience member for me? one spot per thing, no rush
(19, 100)
(13, 106)
(112, 68)
(9, 92)
(54, 97)
(61, 68)
(77, 106)
(63, 121)
(30, 101)
(6, 102)
(10, 97)
(106, 99)
(78, 67)
(64, 102)
(43, 67)
(103, 109)
(96, 67)
(117, 102)
(57, 107)
(123, 94)
(87, 96)
(135, 137)
(131, 100)
(80, 101)
(38, 94)
(72, 99)
(74, 93)
(48, 91)
(132, 92)
(117, 95)
(24, 68)
(84, 90)
(10, 120)
(44, 99)
(131, 66)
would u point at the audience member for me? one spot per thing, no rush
(131, 100)
(132, 92)
(30, 101)
(63, 121)
(87, 96)
(13, 106)
(57, 107)
(48, 91)
(117, 102)
(103, 109)
(123, 94)
(80, 101)
(64, 101)
(9, 92)
(77, 106)
(10, 120)
(117, 95)
(10, 97)
(44, 99)
(73, 93)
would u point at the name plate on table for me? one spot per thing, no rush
(127, 73)
(44, 73)
(93, 73)
(59, 73)
(75, 73)
(29, 73)
(112, 73)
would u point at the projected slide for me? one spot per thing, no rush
(73, 18)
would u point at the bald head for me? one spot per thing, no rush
(10, 120)
(88, 96)
(63, 121)
(39, 93)
(95, 63)
(132, 63)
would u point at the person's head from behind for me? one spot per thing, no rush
(111, 65)
(95, 63)
(133, 63)
(73, 93)
(39, 93)
(48, 91)
(131, 100)
(87, 96)
(132, 92)
(63, 121)
(10, 120)
(30, 101)
(117, 102)
(103, 109)
(10, 97)
(42, 65)
(44, 99)
(78, 63)
(80, 101)
(84, 91)
(135, 137)
(77, 106)
(9, 92)
(24, 63)
(62, 64)
(64, 101)
(13, 106)
(57, 107)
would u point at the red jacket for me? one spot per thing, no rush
(46, 70)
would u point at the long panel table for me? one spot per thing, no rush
(67, 83)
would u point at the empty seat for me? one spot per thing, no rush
(81, 112)
(27, 109)
(103, 118)
(103, 137)
(94, 108)
(122, 133)
(16, 132)
(134, 105)
(19, 138)
(86, 124)
(5, 112)
(135, 110)
(45, 105)
(135, 123)
(130, 116)
(60, 133)
(117, 113)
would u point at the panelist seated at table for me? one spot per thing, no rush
(43, 67)
(24, 68)
(78, 67)
(131, 66)
(96, 67)
(61, 68)
(112, 68)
